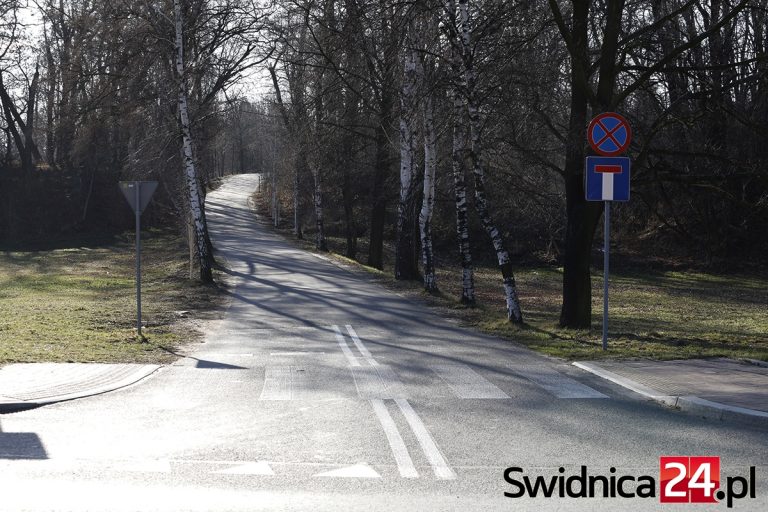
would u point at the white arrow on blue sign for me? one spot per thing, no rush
(607, 178)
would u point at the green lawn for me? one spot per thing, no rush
(79, 304)
(653, 314)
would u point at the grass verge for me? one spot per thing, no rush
(79, 304)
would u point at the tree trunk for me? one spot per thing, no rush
(317, 175)
(460, 189)
(514, 313)
(427, 206)
(379, 189)
(320, 242)
(194, 196)
(581, 216)
(296, 196)
(50, 99)
(349, 217)
(406, 256)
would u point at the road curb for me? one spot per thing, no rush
(688, 403)
(9, 404)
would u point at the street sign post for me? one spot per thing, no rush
(606, 178)
(138, 194)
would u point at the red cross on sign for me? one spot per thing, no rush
(609, 134)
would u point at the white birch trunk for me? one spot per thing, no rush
(458, 157)
(514, 312)
(427, 206)
(194, 196)
(460, 189)
(408, 108)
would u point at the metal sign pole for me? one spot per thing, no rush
(138, 194)
(138, 259)
(606, 258)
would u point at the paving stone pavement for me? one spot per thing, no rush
(24, 386)
(718, 388)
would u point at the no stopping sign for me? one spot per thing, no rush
(609, 134)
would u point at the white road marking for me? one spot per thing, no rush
(556, 383)
(287, 383)
(399, 450)
(362, 348)
(277, 383)
(467, 383)
(344, 347)
(295, 353)
(377, 382)
(249, 468)
(356, 471)
(441, 468)
(385, 383)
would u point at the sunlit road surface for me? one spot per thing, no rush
(321, 391)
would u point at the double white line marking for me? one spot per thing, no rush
(404, 462)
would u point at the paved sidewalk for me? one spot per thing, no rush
(24, 386)
(715, 388)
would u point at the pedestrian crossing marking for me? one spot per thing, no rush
(467, 383)
(356, 471)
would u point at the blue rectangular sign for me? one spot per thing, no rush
(607, 178)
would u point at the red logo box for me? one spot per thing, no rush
(689, 479)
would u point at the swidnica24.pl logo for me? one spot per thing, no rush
(681, 480)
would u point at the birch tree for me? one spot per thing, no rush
(429, 86)
(514, 313)
(459, 157)
(317, 173)
(413, 77)
(427, 207)
(194, 195)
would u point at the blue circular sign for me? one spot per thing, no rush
(609, 134)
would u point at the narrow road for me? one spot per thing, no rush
(321, 391)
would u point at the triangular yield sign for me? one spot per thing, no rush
(249, 468)
(356, 471)
(146, 189)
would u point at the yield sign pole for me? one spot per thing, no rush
(138, 260)
(138, 194)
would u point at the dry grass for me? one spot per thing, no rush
(78, 304)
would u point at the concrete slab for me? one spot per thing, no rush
(25, 386)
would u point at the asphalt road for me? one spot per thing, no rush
(322, 391)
